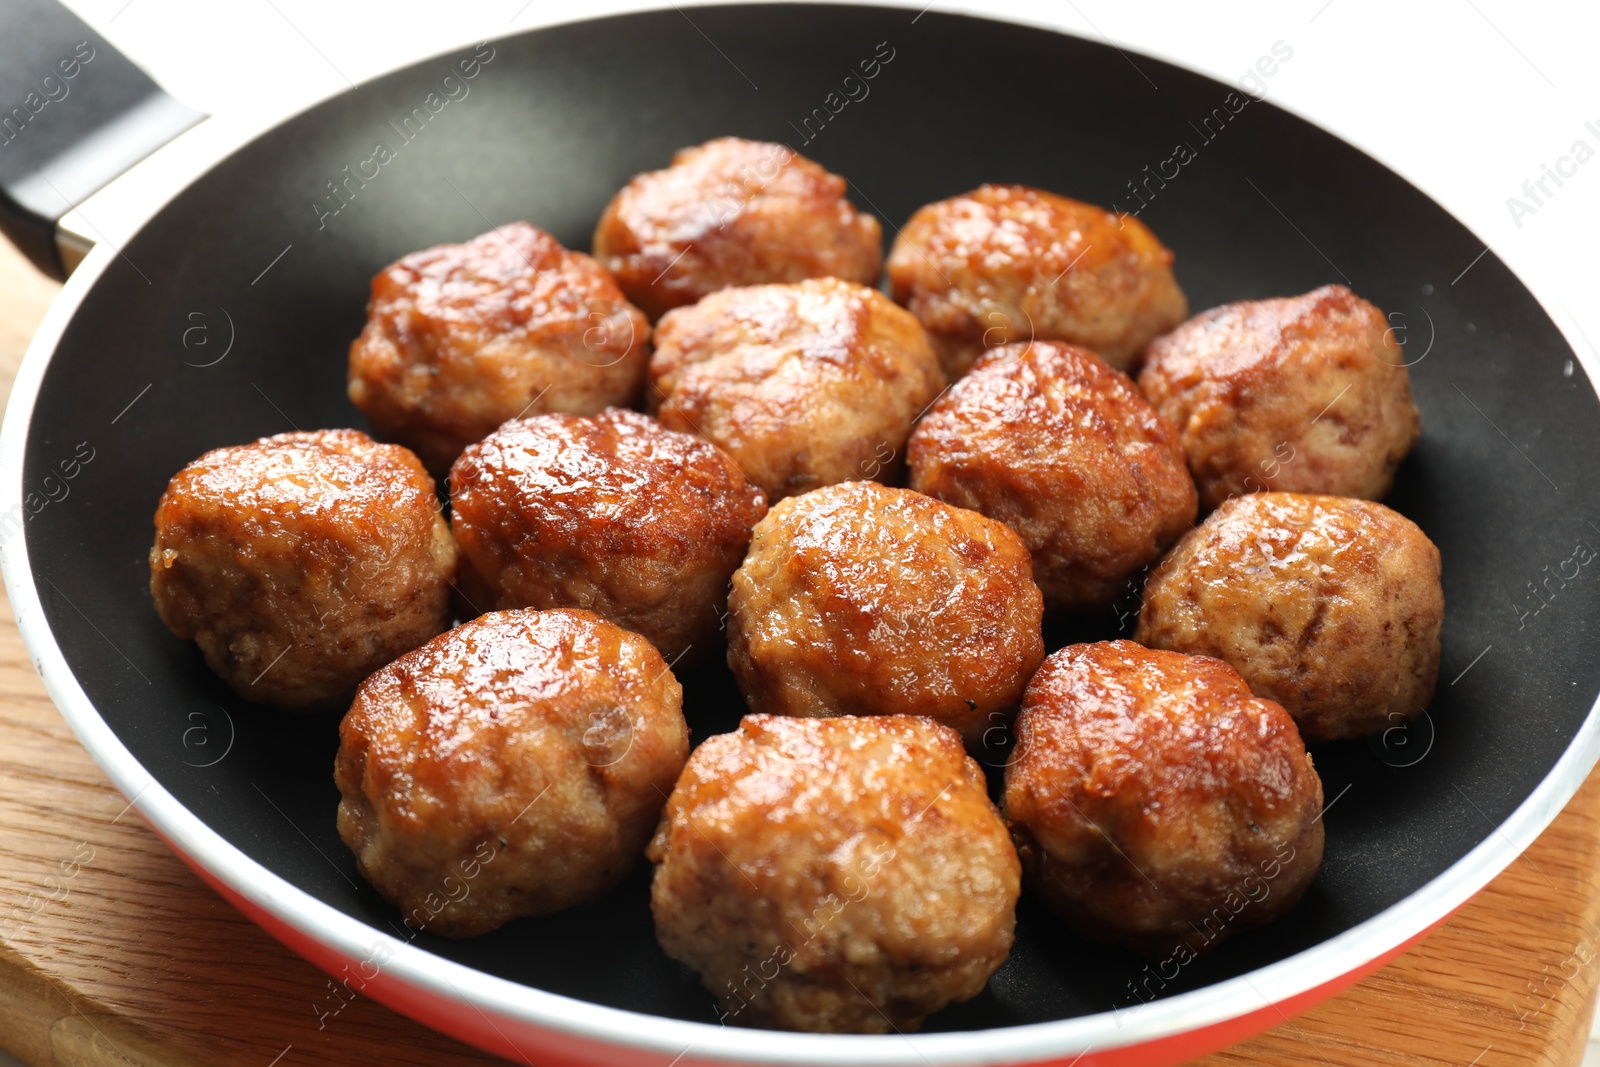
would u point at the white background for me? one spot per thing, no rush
(1466, 98)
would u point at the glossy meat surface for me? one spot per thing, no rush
(860, 599)
(845, 875)
(1006, 263)
(460, 338)
(733, 212)
(1156, 803)
(1049, 439)
(513, 766)
(301, 563)
(804, 385)
(613, 513)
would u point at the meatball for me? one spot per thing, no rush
(613, 513)
(302, 563)
(860, 599)
(1051, 441)
(1330, 606)
(1305, 394)
(514, 766)
(460, 338)
(1007, 263)
(733, 212)
(804, 385)
(847, 875)
(1156, 803)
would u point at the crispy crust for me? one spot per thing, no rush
(733, 212)
(804, 385)
(613, 513)
(513, 766)
(859, 599)
(460, 338)
(1053, 442)
(301, 563)
(1156, 803)
(1006, 263)
(843, 875)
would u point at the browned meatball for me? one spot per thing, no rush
(1304, 394)
(1156, 803)
(859, 599)
(847, 875)
(514, 766)
(1330, 606)
(1051, 441)
(302, 563)
(804, 385)
(460, 338)
(613, 513)
(1008, 263)
(733, 212)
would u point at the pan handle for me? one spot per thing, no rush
(74, 114)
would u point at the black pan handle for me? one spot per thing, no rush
(74, 114)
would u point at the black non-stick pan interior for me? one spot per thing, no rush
(229, 318)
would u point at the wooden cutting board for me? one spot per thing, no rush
(113, 953)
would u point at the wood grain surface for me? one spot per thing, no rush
(113, 952)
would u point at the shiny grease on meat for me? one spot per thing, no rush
(513, 766)
(845, 875)
(860, 599)
(461, 337)
(613, 513)
(1157, 803)
(301, 563)
(728, 213)
(1049, 439)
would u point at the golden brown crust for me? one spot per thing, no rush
(613, 513)
(733, 212)
(1006, 263)
(843, 875)
(859, 599)
(1304, 394)
(301, 563)
(1330, 606)
(804, 385)
(1156, 803)
(513, 766)
(460, 338)
(1048, 439)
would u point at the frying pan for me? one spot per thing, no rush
(281, 238)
